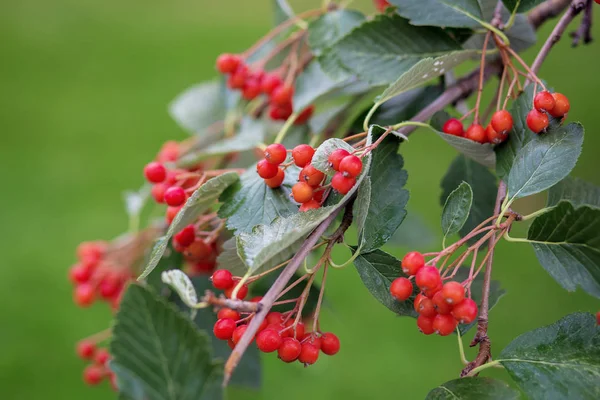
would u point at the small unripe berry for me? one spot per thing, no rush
(336, 157)
(351, 166)
(493, 136)
(302, 155)
(302, 192)
(289, 350)
(175, 196)
(266, 170)
(476, 133)
(275, 153)
(444, 325)
(502, 121)
(224, 328)
(537, 121)
(93, 374)
(412, 263)
(277, 180)
(465, 312)
(311, 175)
(241, 294)
(425, 324)
(428, 277)
(222, 279)
(342, 183)
(282, 95)
(330, 344)
(561, 105)
(155, 172)
(441, 307)
(453, 292)
(228, 313)
(401, 289)
(309, 353)
(454, 127)
(86, 349)
(268, 341)
(427, 308)
(228, 63)
(543, 101)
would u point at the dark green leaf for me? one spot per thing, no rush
(171, 259)
(330, 27)
(521, 5)
(199, 106)
(159, 353)
(558, 361)
(575, 190)
(311, 84)
(361, 206)
(483, 183)
(456, 14)
(456, 209)
(566, 241)
(476, 388)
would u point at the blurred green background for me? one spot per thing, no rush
(84, 89)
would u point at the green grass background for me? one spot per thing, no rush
(83, 92)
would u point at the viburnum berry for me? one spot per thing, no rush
(425, 324)
(444, 325)
(440, 305)
(330, 344)
(453, 127)
(342, 183)
(309, 205)
(102, 356)
(275, 153)
(222, 279)
(238, 333)
(198, 250)
(309, 353)
(84, 295)
(158, 192)
(289, 350)
(426, 307)
(224, 328)
(175, 196)
(537, 121)
(453, 292)
(465, 312)
(561, 105)
(336, 157)
(476, 133)
(401, 289)
(186, 236)
(428, 277)
(493, 136)
(241, 294)
(86, 349)
(270, 82)
(93, 374)
(502, 121)
(302, 155)
(304, 115)
(155, 172)
(282, 95)
(412, 262)
(266, 170)
(228, 63)
(203, 267)
(544, 101)
(350, 166)
(228, 313)
(268, 340)
(277, 180)
(311, 175)
(302, 192)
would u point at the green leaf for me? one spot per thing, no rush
(456, 209)
(200, 201)
(476, 388)
(387, 207)
(171, 259)
(545, 161)
(566, 241)
(361, 207)
(482, 153)
(521, 6)
(311, 84)
(199, 106)
(405, 106)
(446, 13)
(160, 351)
(483, 184)
(414, 233)
(320, 158)
(324, 31)
(558, 361)
(575, 190)
(182, 284)
(380, 50)
(282, 11)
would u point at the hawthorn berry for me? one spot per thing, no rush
(93, 374)
(302, 155)
(502, 121)
(453, 292)
(228, 313)
(453, 127)
(412, 262)
(224, 328)
(270, 82)
(494, 137)
(304, 115)
(228, 63)
(302, 192)
(440, 305)
(336, 157)
(86, 349)
(444, 324)
(268, 340)
(282, 95)
(561, 105)
(186, 236)
(544, 101)
(425, 324)
(175, 196)
(311, 175)
(84, 295)
(426, 307)
(241, 294)
(266, 170)
(198, 250)
(102, 356)
(428, 277)
(401, 289)
(155, 172)
(330, 344)
(350, 166)
(309, 353)
(465, 312)
(277, 180)
(537, 121)
(476, 133)
(342, 183)
(289, 350)
(238, 333)
(275, 153)
(222, 279)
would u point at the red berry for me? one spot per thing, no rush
(203, 267)
(302, 155)
(224, 328)
(444, 325)
(158, 192)
(336, 157)
(251, 89)
(381, 5)
(228, 313)
(186, 236)
(302, 192)
(401, 289)
(309, 205)
(304, 115)
(274, 318)
(318, 195)
(300, 330)
(476, 133)
(427, 308)
(537, 121)
(280, 112)
(172, 213)
(502, 121)
(84, 295)
(428, 277)
(238, 78)
(465, 312)
(561, 105)
(282, 95)
(269, 83)
(275, 153)
(330, 344)
(80, 273)
(102, 357)
(268, 340)
(222, 279)
(155, 172)
(453, 127)
(91, 251)
(441, 307)
(453, 292)
(241, 294)
(109, 287)
(598, 318)
(289, 350)
(168, 152)
(93, 374)
(544, 101)
(430, 292)
(309, 353)
(86, 349)
(238, 333)
(266, 170)
(493, 136)
(175, 196)
(412, 263)
(342, 183)
(228, 63)
(420, 297)
(198, 250)
(425, 324)
(350, 166)
(277, 180)
(311, 175)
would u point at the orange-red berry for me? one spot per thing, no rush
(289, 350)
(309, 205)
(476, 133)
(266, 170)
(302, 155)
(401, 289)
(543, 101)
(453, 127)
(453, 292)
(412, 262)
(277, 180)
(342, 183)
(425, 324)
(275, 153)
(428, 278)
(537, 121)
(465, 312)
(330, 344)
(444, 325)
(309, 353)
(336, 157)
(350, 166)
(268, 340)
(561, 105)
(302, 192)
(502, 121)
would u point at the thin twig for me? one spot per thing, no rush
(585, 28)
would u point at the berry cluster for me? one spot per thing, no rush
(97, 370)
(199, 252)
(496, 131)
(225, 281)
(348, 167)
(544, 103)
(441, 306)
(254, 83)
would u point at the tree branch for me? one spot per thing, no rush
(585, 28)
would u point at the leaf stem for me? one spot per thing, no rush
(369, 115)
(480, 368)
(536, 213)
(461, 348)
(508, 238)
(285, 128)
